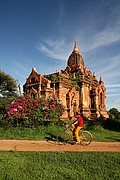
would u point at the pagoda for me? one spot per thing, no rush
(76, 86)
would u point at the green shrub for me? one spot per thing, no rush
(3, 102)
(111, 124)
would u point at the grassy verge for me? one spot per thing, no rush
(65, 165)
(101, 134)
(45, 131)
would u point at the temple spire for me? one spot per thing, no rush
(75, 47)
(100, 79)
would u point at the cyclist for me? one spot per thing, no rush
(76, 126)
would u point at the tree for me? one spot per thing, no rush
(8, 85)
(114, 114)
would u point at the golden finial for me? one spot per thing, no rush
(75, 47)
(94, 74)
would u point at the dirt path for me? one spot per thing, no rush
(26, 145)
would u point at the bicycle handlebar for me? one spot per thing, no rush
(65, 126)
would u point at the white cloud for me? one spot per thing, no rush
(113, 86)
(20, 66)
(113, 94)
(20, 70)
(108, 68)
(103, 38)
(106, 37)
(56, 49)
(113, 103)
(61, 13)
(113, 90)
(117, 101)
(100, 32)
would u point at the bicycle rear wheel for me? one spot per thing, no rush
(63, 137)
(85, 138)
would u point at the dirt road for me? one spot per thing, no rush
(26, 145)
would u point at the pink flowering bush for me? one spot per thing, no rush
(28, 112)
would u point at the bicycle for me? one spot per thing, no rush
(65, 136)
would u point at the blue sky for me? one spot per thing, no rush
(41, 34)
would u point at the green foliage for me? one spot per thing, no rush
(51, 77)
(34, 133)
(87, 78)
(3, 102)
(114, 114)
(76, 80)
(111, 123)
(78, 77)
(28, 112)
(59, 166)
(8, 85)
(71, 77)
(73, 81)
(54, 77)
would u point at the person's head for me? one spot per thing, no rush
(78, 113)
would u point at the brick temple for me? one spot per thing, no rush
(75, 86)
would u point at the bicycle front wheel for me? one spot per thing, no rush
(85, 138)
(63, 137)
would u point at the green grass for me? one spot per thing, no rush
(101, 134)
(59, 166)
(28, 133)
(43, 132)
(54, 165)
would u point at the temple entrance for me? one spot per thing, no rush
(71, 103)
(92, 103)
